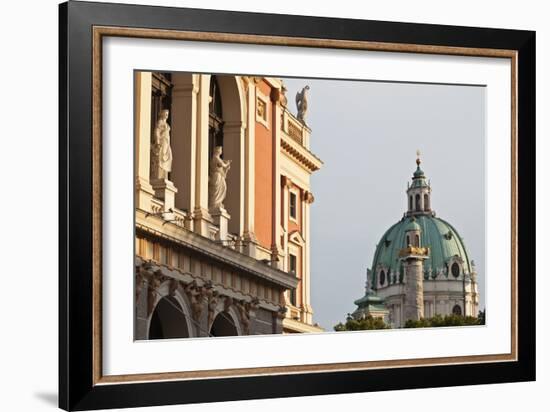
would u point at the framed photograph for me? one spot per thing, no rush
(257, 206)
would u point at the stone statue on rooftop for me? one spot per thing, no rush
(301, 104)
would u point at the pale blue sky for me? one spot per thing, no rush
(367, 134)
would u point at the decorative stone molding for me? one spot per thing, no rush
(308, 197)
(213, 298)
(302, 155)
(197, 296)
(227, 303)
(173, 287)
(141, 280)
(281, 313)
(287, 181)
(154, 283)
(243, 308)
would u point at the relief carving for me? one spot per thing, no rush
(213, 297)
(196, 295)
(154, 283)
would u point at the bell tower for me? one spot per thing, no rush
(419, 192)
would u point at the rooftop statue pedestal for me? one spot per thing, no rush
(166, 191)
(221, 219)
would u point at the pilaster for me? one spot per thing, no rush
(201, 217)
(184, 139)
(306, 275)
(234, 150)
(249, 169)
(277, 255)
(142, 130)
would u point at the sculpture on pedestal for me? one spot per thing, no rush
(162, 152)
(217, 186)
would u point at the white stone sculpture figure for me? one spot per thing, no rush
(162, 151)
(217, 186)
(301, 104)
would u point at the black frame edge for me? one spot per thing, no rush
(63, 378)
(526, 223)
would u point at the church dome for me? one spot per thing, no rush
(447, 255)
(444, 242)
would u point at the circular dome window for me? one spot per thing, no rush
(455, 270)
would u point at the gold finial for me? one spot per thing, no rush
(418, 158)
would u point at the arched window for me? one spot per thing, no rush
(426, 202)
(417, 199)
(408, 241)
(382, 278)
(455, 270)
(457, 310)
(215, 117)
(410, 202)
(417, 240)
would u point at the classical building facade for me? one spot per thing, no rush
(223, 199)
(421, 266)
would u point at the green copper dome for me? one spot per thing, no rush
(439, 236)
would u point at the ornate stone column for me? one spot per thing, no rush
(142, 130)
(412, 258)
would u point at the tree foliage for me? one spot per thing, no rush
(448, 320)
(367, 323)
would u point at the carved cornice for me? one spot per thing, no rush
(212, 250)
(150, 276)
(299, 153)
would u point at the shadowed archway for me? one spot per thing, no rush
(223, 326)
(168, 320)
